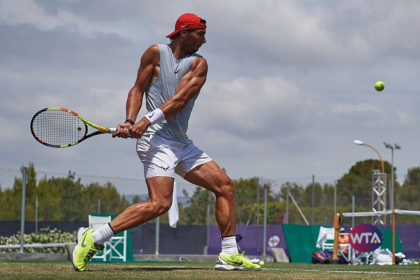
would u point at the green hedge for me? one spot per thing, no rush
(44, 236)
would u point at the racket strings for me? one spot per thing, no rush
(58, 128)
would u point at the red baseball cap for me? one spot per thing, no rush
(188, 21)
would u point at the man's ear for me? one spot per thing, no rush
(184, 32)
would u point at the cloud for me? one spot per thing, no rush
(290, 83)
(21, 12)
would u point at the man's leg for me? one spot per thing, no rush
(211, 177)
(159, 202)
(89, 241)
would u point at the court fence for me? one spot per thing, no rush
(61, 203)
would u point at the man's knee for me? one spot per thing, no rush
(161, 206)
(227, 188)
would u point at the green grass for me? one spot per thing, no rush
(201, 270)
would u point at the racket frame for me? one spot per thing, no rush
(101, 129)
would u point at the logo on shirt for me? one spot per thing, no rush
(176, 71)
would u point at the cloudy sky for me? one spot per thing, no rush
(290, 83)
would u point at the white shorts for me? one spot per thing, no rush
(162, 157)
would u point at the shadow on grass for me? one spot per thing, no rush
(151, 269)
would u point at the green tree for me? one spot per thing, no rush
(110, 200)
(72, 205)
(246, 198)
(358, 182)
(307, 195)
(295, 190)
(408, 195)
(196, 213)
(49, 198)
(136, 199)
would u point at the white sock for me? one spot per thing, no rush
(103, 234)
(229, 246)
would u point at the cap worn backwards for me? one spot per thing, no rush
(188, 21)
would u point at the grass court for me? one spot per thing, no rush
(201, 270)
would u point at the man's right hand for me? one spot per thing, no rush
(122, 131)
(138, 129)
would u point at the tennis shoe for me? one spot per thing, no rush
(237, 261)
(85, 248)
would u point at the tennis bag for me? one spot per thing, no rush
(322, 257)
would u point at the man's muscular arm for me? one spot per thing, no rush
(135, 96)
(188, 87)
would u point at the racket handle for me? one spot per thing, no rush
(112, 130)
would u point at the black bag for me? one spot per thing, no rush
(342, 260)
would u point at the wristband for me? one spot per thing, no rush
(155, 116)
(129, 121)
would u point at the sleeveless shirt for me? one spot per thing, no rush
(170, 73)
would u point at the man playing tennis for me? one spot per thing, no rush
(171, 76)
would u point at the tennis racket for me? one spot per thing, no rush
(62, 128)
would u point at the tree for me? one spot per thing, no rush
(72, 205)
(110, 200)
(295, 190)
(246, 198)
(196, 213)
(60, 199)
(136, 199)
(407, 196)
(358, 182)
(307, 195)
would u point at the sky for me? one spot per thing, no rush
(290, 83)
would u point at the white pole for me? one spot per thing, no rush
(335, 198)
(208, 223)
(298, 208)
(392, 180)
(286, 220)
(36, 215)
(353, 206)
(313, 199)
(22, 220)
(157, 236)
(265, 222)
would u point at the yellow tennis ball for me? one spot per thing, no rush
(261, 263)
(379, 86)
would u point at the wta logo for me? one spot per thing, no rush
(365, 238)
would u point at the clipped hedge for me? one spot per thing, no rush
(44, 236)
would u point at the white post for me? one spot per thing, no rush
(265, 221)
(22, 220)
(353, 206)
(287, 204)
(36, 215)
(157, 236)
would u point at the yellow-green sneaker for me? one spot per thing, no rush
(236, 262)
(85, 248)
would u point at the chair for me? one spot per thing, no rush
(325, 238)
(110, 247)
(326, 242)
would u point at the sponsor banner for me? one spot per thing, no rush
(365, 238)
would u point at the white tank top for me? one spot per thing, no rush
(170, 73)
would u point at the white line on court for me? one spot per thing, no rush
(343, 271)
(269, 269)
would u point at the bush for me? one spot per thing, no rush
(44, 236)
